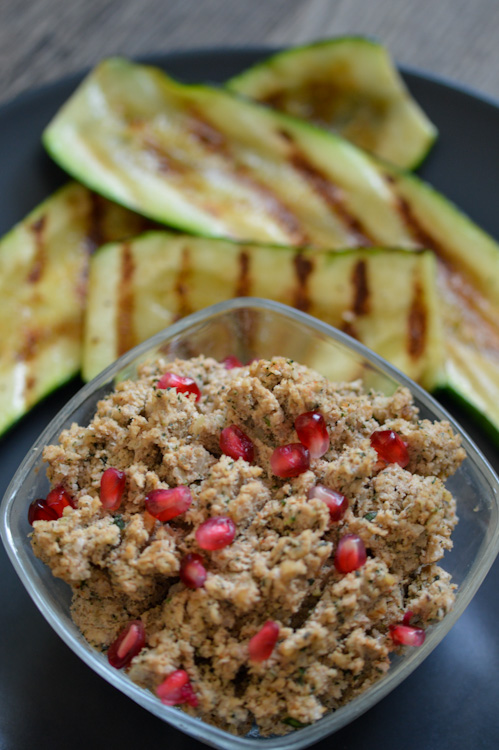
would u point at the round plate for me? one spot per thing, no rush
(51, 700)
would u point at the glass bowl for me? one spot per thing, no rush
(251, 328)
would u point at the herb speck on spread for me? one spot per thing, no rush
(239, 593)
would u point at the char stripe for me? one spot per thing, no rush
(243, 287)
(182, 284)
(40, 257)
(325, 188)
(457, 279)
(361, 293)
(417, 323)
(214, 141)
(95, 232)
(125, 334)
(303, 268)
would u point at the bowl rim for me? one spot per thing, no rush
(194, 726)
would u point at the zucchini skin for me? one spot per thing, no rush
(347, 85)
(280, 180)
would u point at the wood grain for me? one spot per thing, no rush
(42, 40)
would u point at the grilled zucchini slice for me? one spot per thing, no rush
(211, 163)
(349, 86)
(43, 277)
(140, 286)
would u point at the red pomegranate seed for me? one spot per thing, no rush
(312, 432)
(350, 554)
(129, 642)
(236, 444)
(406, 620)
(262, 644)
(112, 487)
(40, 511)
(335, 501)
(290, 460)
(181, 384)
(406, 635)
(216, 533)
(177, 689)
(167, 504)
(58, 499)
(192, 571)
(231, 361)
(390, 447)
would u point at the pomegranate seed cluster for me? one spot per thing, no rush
(250, 541)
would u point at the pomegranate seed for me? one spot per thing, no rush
(405, 635)
(40, 511)
(406, 620)
(290, 460)
(350, 554)
(177, 689)
(262, 644)
(335, 501)
(129, 642)
(312, 432)
(390, 447)
(112, 487)
(236, 444)
(231, 361)
(58, 499)
(216, 533)
(192, 571)
(167, 504)
(181, 384)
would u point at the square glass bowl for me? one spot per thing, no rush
(251, 328)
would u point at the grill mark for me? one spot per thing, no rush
(361, 294)
(348, 327)
(206, 134)
(477, 326)
(35, 339)
(125, 337)
(165, 162)
(29, 387)
(417, 323)
(325, 188)
(243, 286)
(214, 142)
(181, 287)
(29, 346)
(274, 206)
(418, 232)
(95, 236)
(249, 327)
(303, 268)
(40, 258)
(455, 276)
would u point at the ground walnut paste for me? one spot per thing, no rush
(222, 582)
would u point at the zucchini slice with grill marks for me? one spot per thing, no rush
(138, 287)
(43, 278)
(214, 164)
(349, 86)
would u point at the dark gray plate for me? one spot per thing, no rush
(51, 700)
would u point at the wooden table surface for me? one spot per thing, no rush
(42, 40)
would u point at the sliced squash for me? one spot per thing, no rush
(210, 163)
(43, 278)
(138, 287)
(349, 86)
